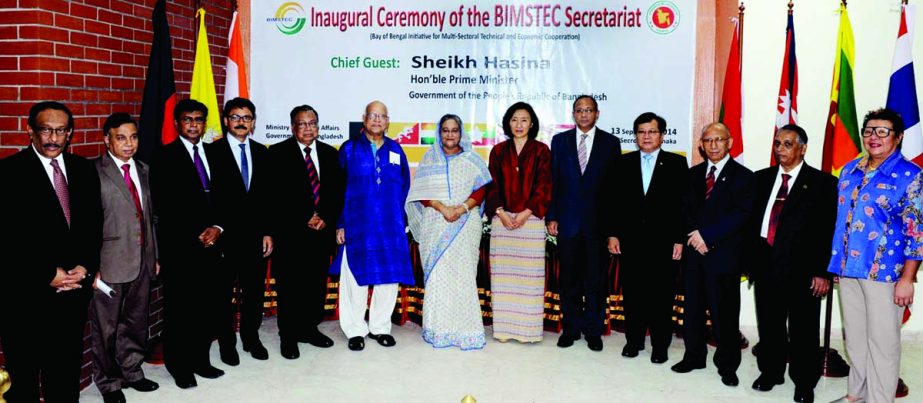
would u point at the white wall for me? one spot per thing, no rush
(875, 25)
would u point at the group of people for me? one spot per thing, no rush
(205, 218)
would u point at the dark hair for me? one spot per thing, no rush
(802, 135)
(239, 103)
(646, 117)
(450, 116)
(117, 119)
(189, 105)
(885, 114)
(302, 108)
(508, 131)
(585, 96)
(46, 105)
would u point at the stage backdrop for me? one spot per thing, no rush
(474, 59)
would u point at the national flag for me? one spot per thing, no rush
(480, 135)
(902, 94)
(787, 109)
(427, 133)
(159, 89)
(841, 139)
(732, 97)
(235, 73)
(203, 83)
(405, 133)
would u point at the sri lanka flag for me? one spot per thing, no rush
(841, 139)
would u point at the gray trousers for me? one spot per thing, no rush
(119, 333)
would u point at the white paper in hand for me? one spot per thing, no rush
(394, 158)
(100, 285)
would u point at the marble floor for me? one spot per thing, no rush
(413, 371)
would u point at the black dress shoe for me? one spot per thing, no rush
(566, 340)
(317, 339)
(143, 385)
(595, 343)
(764, 383)
(383, 339)
(208, 371)
(685, 366)
(229, 355)
(114, 397)
(804, 395)
(256, 350)
(659, 357)
(730, 380)
(290, 350)
(356, 343)
(185, 381)
(629, 351)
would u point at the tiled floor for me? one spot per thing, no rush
(413, 371)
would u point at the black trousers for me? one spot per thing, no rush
(648, 291)
(45, 344)
(583, 284)
(779, 300)
(191, 305)
(720, 294)
(301, 268)
(242, 265)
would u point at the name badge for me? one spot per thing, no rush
(394, 158)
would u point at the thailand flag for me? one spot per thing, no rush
(902, 94)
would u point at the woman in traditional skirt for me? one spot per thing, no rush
(517, 201)
(444, 213)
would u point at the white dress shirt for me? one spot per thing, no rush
(132, 172)
(234, 143)
(589, 141)
(313, 156)
(764, 229)
(46, 163)
(719, 166)
(201, 145)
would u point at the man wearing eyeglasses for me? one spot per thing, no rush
(52, 223)
(240, 182)
(187, 238)
(788, 242)
(307, 199)
(645, 229)
(717, 212)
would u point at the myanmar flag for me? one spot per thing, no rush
(203, 83)
(841, 139)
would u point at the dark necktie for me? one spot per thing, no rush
(777, 209)
(134, 197)
(312, 175)
(60, 189)
(710, 181)
(244, 166)
(200, 167)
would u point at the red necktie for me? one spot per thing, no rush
(137, 199)
(312, 175)
(60, 189)
(777, 209)
(710, 181)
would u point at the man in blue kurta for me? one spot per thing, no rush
(371, 230)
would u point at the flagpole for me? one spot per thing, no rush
(740, 34)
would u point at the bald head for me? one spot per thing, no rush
(375, 119)
(716, 141)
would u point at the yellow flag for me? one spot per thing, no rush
(203, 83)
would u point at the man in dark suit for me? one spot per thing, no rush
(719, 205)
(187, 231)
(242, 179)
(128, 265)
(52, 224)
(646, 192)
(580, 158)
(308, 201)
(793, 220)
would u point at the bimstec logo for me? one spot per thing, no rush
(289, 18)
(663, 17)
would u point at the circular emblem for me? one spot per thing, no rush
(290, 18)
(663, 17)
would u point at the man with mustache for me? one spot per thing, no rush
(241, 178)
(52, 222)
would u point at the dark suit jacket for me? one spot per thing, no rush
(652, 221)
(293, 202)
(121, 258)
(37, 239)
(575, 196)
(245, 216)
(182, 208)
(806, 226)
(721, 220)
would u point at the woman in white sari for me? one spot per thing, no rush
(444, 212)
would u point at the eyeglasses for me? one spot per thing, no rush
(879, 131)
(584, 110)
(646, 132)
(237, 118)
(46, 131)
(303, 125)
(376, 116)
(715, 140)
(191, 120)
(787, 144)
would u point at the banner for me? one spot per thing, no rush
(473, 59)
